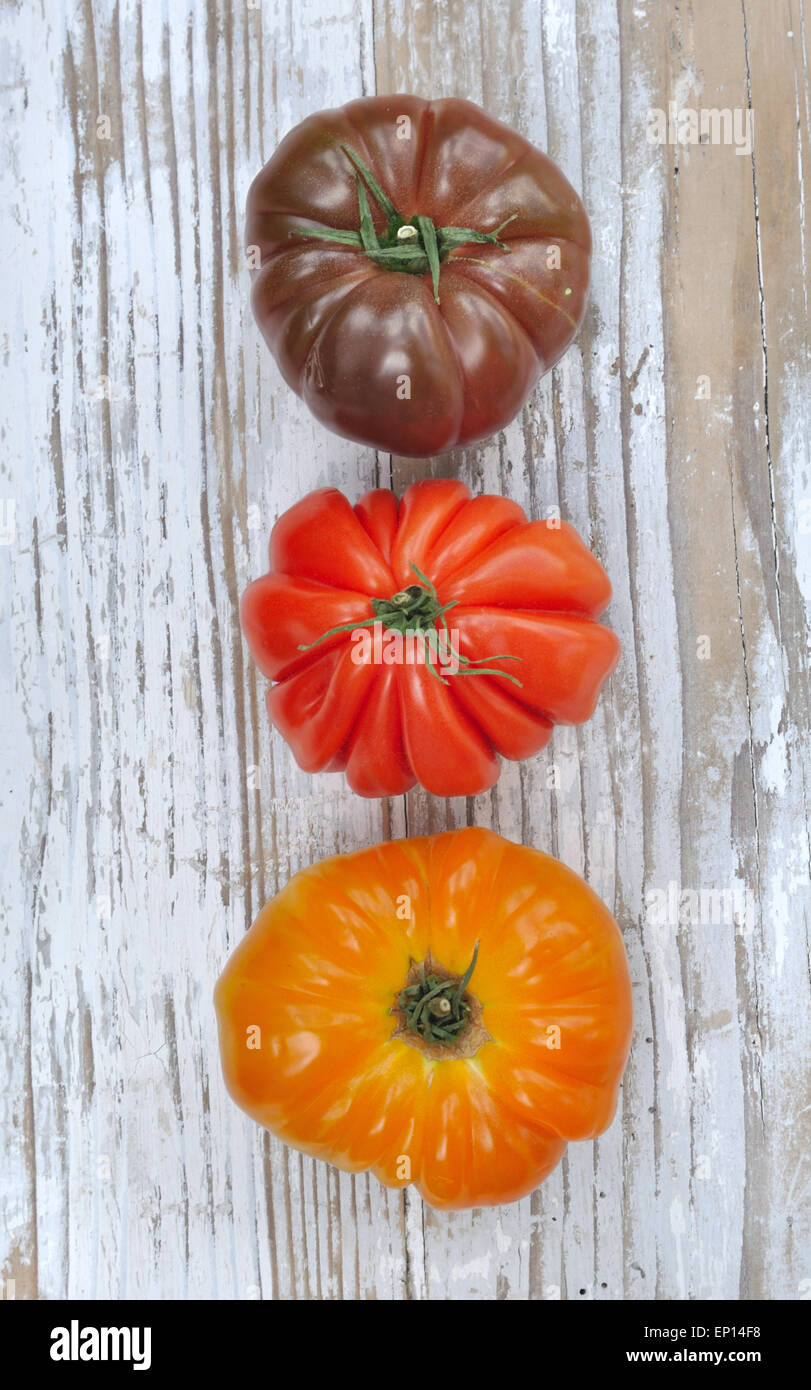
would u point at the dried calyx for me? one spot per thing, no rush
(414, 246)
(436, 1012)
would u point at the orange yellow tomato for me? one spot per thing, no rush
(352, 1028)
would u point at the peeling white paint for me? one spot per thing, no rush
(143, 420)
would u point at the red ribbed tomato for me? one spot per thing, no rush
(418, 266)
(414, 642)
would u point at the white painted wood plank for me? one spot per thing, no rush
(150, 443)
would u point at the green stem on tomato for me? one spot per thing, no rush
(416, 610)
(426, 246)
(434, 1008)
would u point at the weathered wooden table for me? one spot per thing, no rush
(149, 443)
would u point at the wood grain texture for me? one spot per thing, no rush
(149, 442)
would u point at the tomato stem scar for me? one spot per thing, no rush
(435, 1008)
